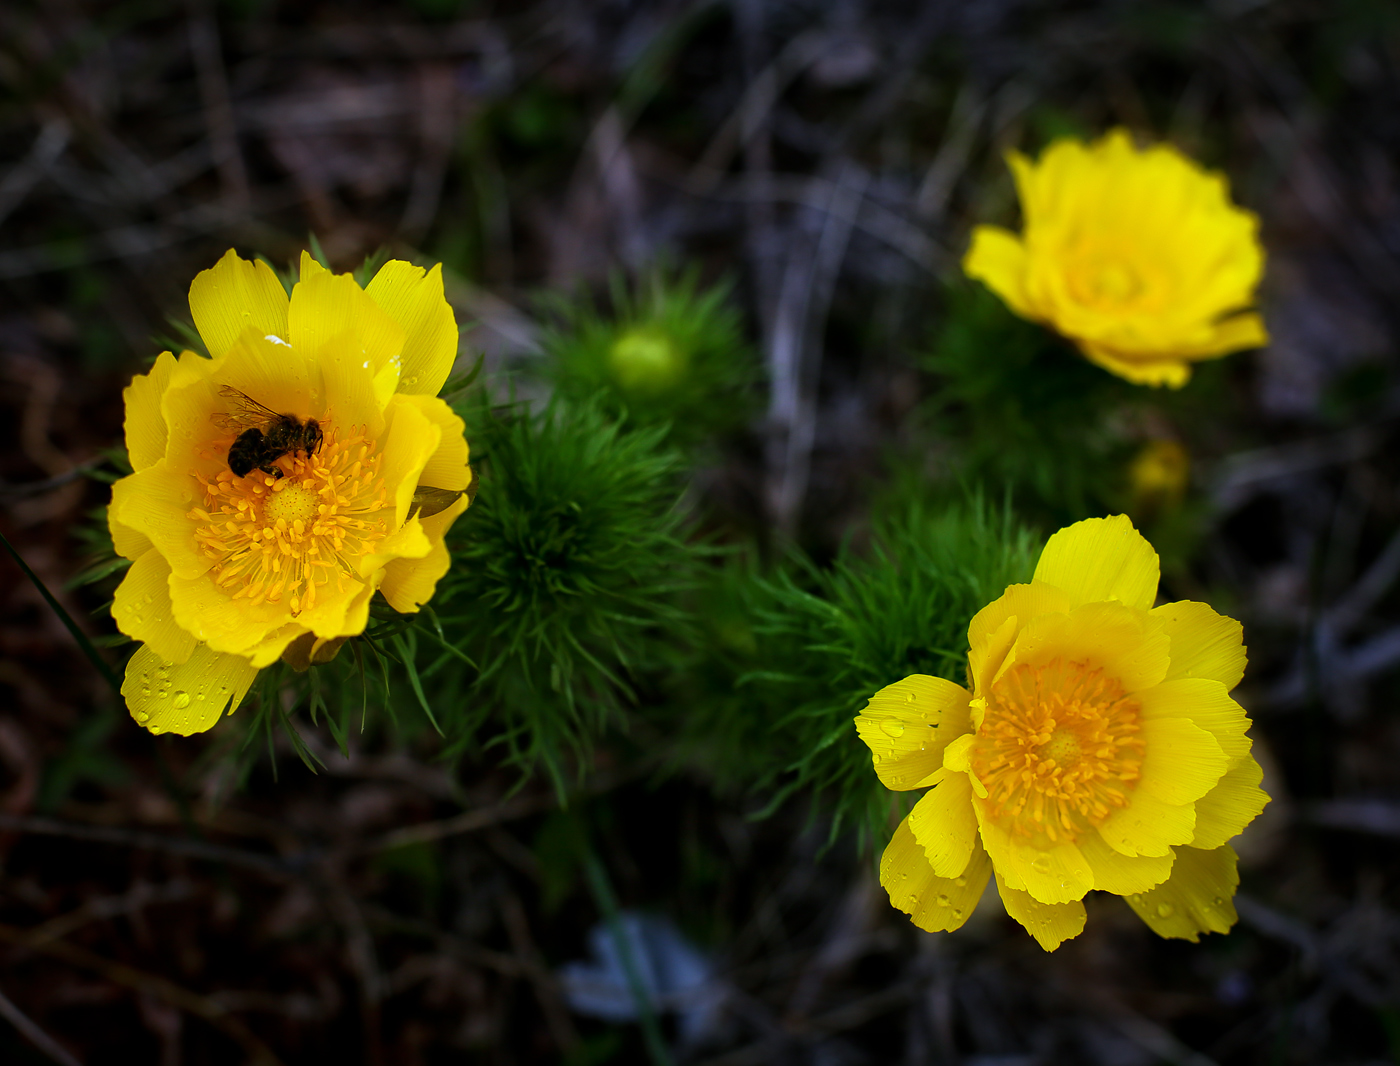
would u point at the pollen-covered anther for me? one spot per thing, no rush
(295, 537)
(1059, 749)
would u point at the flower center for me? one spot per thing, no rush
(300, 537)
(291, 502)
(1060, 747)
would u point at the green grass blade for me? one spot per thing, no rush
(84, 643)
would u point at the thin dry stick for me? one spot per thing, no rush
(135, 838)
(794, 356)
(561, 1027)
(36, 1036)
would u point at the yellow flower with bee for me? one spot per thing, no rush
(280, 483)
(1137, 256)
(1095, 747)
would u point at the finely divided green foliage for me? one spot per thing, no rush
(565, 578)
(670, 352)
(827, 639)
(1030, 415)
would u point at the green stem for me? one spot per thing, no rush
(607, 903)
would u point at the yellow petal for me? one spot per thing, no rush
(415, 301)
(1120, 874)
(1207, 704)
(227, 625)
(153, 503)
(1148, 826)
(1127, 643)
(907, 726)
(993, 629)
(334, 324)
(1235, 801)
(141, 608)
(937, 904)
(447, 467)
(1204, 643)
(1197, 898)
(1052, 875)
(1233, 335)
(411, 439)
(308, 268)
(1050, 923)
(188, 697)
(1183, 761)
(1101, 559)
(268, 650)
(144, 424)
(129, 543)
(410, 583)
(234, 295)
(997, 258)
(1170, 370)
(945, 826)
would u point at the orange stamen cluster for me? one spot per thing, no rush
(1060, 747)
(297, 537)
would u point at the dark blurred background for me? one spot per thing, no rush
(829, 160)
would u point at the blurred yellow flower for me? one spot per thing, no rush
(231, 572)
(1158, 476)
(1098, 748)
(1138, 257)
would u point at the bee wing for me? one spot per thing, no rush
(248, 412)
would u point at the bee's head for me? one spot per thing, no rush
(311, 436)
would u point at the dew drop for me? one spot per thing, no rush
(893, 727)
(143, 717)
(874, 758)
(943, 899)
(182, 700)
(909, 697)
(957, 912)
(162, 694)
(961, 882)
(1165, 910)
(1041, 863)
(145, 692)
(1219, 902)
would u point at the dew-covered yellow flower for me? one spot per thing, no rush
(1098, 748)
(230, 573)
(1138, 257)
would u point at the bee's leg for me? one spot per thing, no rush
(271, 471)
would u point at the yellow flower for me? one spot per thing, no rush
(1139, 257)
(1158, 476)
(230, 573)
(1098, 748)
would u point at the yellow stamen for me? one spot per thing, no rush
(299, 536)
(1059, 749)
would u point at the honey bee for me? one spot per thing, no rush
(266, 436)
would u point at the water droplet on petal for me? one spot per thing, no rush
(1165, 910)
(909, 697)
(874, 758)
(182, 700)
(893, 726)
(1041, 863)
(961, 882)
(957, 912)
(943, 899)
(143, 717)
(1219, 902)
